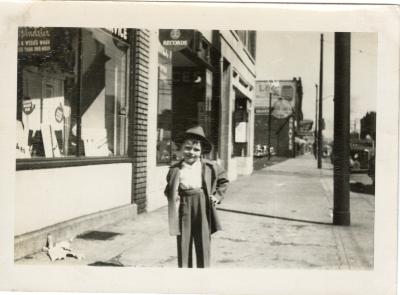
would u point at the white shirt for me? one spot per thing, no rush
(190, 175)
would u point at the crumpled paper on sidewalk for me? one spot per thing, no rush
(61, 250)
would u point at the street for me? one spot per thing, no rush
(279, 217)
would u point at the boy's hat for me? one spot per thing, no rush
(197, 132)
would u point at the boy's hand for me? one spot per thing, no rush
(214, 200)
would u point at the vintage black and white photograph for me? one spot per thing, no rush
(205, 148)
(184, 147)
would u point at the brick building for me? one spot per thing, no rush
(98, 111)
(278, 103)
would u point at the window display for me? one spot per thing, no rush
(72, 98)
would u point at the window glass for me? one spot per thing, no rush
(103, 102)
(47, 79)
(240, 127)
(62, 108)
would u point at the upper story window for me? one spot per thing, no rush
(248, 39)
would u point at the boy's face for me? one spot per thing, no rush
(191, 150)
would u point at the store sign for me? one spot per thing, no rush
(264, 88)
(282, 109)
(120, 33)
(28, 106)
(290, 134)
(175, 39)
(274, 90)
(59, 114)
(261, 110)
(34, 40)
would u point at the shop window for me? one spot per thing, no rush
(166, 149)
(69, 106)
(103, 101)
(184, 100)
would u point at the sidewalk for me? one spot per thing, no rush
(279, 217)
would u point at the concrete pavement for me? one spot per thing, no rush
(279, 217)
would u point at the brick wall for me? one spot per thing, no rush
(139, 79)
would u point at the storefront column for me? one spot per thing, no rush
(225, 116)
(137, 138)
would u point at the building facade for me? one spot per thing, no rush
(211, 83)
(278, 112)
(98, 111)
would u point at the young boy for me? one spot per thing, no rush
(194, 186)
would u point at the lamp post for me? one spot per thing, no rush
(316, 123)
(320, 119)
(269, 126)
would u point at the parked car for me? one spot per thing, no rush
(258, 151)
(262, 150)
(362, 156)
(361, 153)
(371, 170)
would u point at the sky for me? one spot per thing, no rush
(284, 55)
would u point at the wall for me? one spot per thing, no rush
(65, 193)
(139, 127)
(241, 63)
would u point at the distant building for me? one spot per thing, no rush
(279, 103)
(368, 125)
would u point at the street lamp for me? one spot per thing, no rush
(269, 126)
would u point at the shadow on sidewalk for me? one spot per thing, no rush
(361, 188)
(102, 263)
(274, 217)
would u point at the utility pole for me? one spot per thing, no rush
(269, 125)
(321, 78)
(316, 123)
(341, 143)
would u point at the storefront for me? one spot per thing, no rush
(205, 78)
(185, 91)
(185, 96)
(74, 121)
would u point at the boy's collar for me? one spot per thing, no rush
(198, 162)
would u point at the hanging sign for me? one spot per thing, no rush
(34, 40)
(282, 109)
(175, 39)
